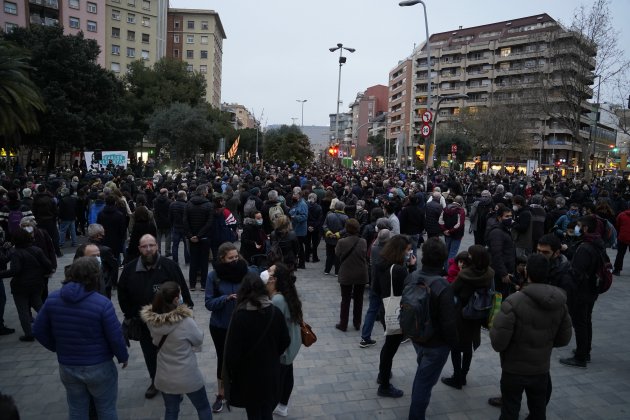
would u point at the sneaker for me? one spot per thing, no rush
(390, 391)
(367, 343)
(326, 273)
(588, 356)
(217, 406)
(281, 410)
(495, 401)
(573, 362)
(6, 330)
(151, 392)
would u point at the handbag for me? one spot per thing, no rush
(132, 328)
(342, 259)
(308, 336)
(392, 309)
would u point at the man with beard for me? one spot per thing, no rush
(139, 281)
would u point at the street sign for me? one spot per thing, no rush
(453, 148)
(427, 116)
(425, 130)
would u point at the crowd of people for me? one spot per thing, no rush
(540, 241)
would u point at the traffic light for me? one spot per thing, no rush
(557, 162)
(615, 150)
(333, 151)
(420, 152)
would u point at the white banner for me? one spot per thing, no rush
(117, 158)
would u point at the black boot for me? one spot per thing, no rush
(454, 381)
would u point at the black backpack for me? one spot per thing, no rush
(415, 305)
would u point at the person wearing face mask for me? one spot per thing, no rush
(314, 229)
(222, 286)
(92, 250)
(253, 238)
(299, 219)
(43, 241)
(522, 226)
(560, 227)
(502, 249)
(177, 337)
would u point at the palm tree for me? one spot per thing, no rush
(19, 97)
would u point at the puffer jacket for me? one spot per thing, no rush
(530, 324)
(161, 206)
(176, 212)
(433, 211)
(80, 326)
(623, 227)
(223, 281)
(29, 266)
(177, 370)
(198, 217)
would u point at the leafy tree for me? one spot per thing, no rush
(288, 144)
(83, 100)
(444, 142)
(19, 97)
(379, 145)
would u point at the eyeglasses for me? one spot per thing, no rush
(148, 246)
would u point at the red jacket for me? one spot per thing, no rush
(453, 221)
(453, 270)
(623, 227)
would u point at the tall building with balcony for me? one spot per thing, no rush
(499, 63)
(345, 123)
(196, 37)
(242, 118)
(400, 109)
(136, 31)
(367, 106)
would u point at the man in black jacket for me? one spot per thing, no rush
(176, 212)
(502, 249)
(45, 212)
(109, 263)
(139, 281)
(67, 217)
(433, 354)
(114, 223)
(160, 212)
(412, 221)
(198, 223)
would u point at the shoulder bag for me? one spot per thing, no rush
(392, 308)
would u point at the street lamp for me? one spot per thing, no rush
(437, 113)
(342, 60)
(426, 28)
(302, 102)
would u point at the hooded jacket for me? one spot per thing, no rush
(530, 324)
(253, 234)
(80, 326)
(160, 211)
(177, 370)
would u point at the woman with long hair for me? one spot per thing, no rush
(256, 339)
(476, 275)
(221, 286)
(280, 282)
(177, 337)
(397, 260)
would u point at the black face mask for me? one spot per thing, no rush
(507, 223)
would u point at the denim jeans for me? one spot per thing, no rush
(98, 381)
(431, 360)
(199, 399)
(374, 306)
(414, 242)
(177, 236)
(64, 225)
(452, 246)
(166, 235)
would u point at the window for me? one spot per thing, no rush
(131, 36)
(131, 52)
(10, 8)
(74, 22)
(91, 26)
(115, 1)
(190, 68)
(204, 54)
(176, 53)
(176, 24)
(115, 14)
(190, 24)
(115, 32)
(131, 2)
(505, 52)
(116, 67)
(203, 68)
(73, 4)
(145, 38)
(146, 4)
(146, 21)
(91, 7)
(176, 39)
(131, 18)
(10, 27)
(204, 25)
(190, 54)
(204, 40)
(115, 49)
(190, 39)
(145, 54)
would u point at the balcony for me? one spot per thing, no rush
(451, 76)
(479, 58)
(478, 46)
(477, 73)
(478, 88)
(52, 4)
(476, 100)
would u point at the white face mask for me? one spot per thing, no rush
(515, 208)
(181, 299)
(98, 258)
(29, 229)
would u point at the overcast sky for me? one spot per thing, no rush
(276, 51)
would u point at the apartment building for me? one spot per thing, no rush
(196, 37)
(364, 109)
(136, 31)
(345, 124)
(74, 15)
(242, 118)
(495, 63)
(400, 110)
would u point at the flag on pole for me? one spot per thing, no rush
(234, 148)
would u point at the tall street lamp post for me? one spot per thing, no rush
(342, 60)
(428, 44)
(302, 102)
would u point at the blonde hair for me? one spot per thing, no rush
(282, 224)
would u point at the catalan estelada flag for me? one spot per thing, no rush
(234, 148)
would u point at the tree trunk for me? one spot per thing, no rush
(51, 157)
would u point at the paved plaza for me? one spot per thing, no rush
(335, 379)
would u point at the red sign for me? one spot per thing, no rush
(453, 148)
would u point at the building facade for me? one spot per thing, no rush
(499, 63)
(196, 37)
(400, 109)
(242, 118)
(345, 124)
(367, 106)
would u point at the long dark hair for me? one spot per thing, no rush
(251, 290)
(394, 250)
(163, 299)
(285, 285)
